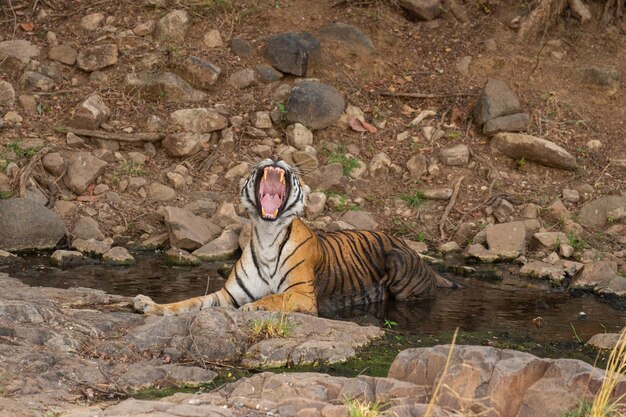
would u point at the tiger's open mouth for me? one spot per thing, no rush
(271, 192)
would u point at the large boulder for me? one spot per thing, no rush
(293, 53)
(596, 213)
(508, 240)
(600, 277)
(534, 149)
(314, 104)
(26, 225)
(497, 99)
(82, 170)
(186, 230)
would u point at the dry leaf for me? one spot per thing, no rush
(27, 26)
(359, 125)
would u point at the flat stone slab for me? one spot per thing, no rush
(534, 149)
(27, 225)
(508, 240)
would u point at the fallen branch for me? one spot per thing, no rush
(19, 182)
(451, 203)
(122, 137)
(425, 95)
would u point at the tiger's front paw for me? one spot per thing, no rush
(144, 304)
(255, 306)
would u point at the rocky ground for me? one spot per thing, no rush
(128, 125)
(81, 352)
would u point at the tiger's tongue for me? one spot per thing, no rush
(271, 203)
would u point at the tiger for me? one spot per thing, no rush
(286, 266)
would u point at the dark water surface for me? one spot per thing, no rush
(506, 305)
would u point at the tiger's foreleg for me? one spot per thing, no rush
(298, 295)
(146, 305)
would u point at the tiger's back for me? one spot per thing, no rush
(359, 267)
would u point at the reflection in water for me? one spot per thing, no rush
(509, 305)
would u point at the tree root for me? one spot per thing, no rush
(446, 212)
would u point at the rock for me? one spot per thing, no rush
(360, 220)
(118, 256)
(605, 77)
(343, 32)
(172, 28)
(455, 156)
(422, 9)
(186, 230)
(166, 86)
(314, 104)
(200, 74)
(316, 202)
(226, 215)
(240, 47)
(566, 250)
(326, 177)
(557, 212)
(261, 120)
(7, 95)
(92, 21)
(437, 194)
(38, 81)
(213, 39)
(179, 257)
(238, 171)
(544, 270)
(224, 247)
(417, 166)
(293, 53)
(380, 164)
(449, 247)
(604, 341)
(549, 240)
(202, 206)
(531, 148)
(299, 136)
(97, 57)
(161, 192)
(507, 240)
(65, 209)
(16, 54)
(199, 120)
(305, 161)
(27, 225)
(593, 145)
(571, 196)
(28, 103)
(66, 258)
(496, 99)
(87, 228)
(91, 247)
(479, 252)
(90, 113)
(517, 122)
(243, 78)
(351, 112)
(54, 163)
(82, 170)
(7, 258)
(507, 382)
(267, 73)
(417, 247)
(144, 28)
(600, 277)
(185, 144)
(176, 180)
(596, 213)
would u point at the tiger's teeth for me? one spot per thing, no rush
(263, 212)
(265, 174)
(275, 213)
(282, 177)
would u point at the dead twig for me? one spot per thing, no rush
(122, 137)
(446, 213)
(20, 180)
(425, 95)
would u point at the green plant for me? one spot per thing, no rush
(455, 134)
(281, 107)
(19, 151)
(348, 163)
(4, 195)
(521, 163)
(389, 323)
(421, 237)
(584, 407)
(576, 243)
(603, 404)
(131, 168)
(362, 408)
(413, 200)
(341, 202)
(272, 327)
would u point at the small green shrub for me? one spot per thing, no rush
(361, 408)
(21, 152)
(4, 195)
(131, 168)
(272, 327)
(348, 163)
(414, 199)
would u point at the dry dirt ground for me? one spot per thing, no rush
(410, 56)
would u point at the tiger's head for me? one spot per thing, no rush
(273, 191)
